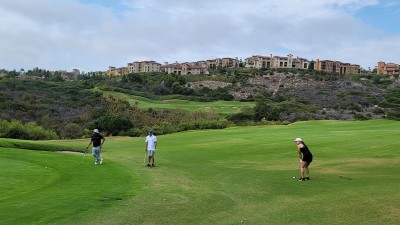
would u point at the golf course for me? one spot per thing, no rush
(238, 175)
(220, 107)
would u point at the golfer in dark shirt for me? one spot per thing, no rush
(98, 142)
(305, 159)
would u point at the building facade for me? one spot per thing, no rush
(388, 68)
(144, 67)
(193, 68)
(338, 67)
(260, 62)
(117, 71)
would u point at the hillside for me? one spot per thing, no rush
(337, 98)
(171, 101)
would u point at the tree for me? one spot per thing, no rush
(311, 65)
(112, 125)
(265, 109)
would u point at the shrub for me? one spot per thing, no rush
(204, 124)
(378, 110)
(394, 115)
(133, 132)
(72, 131)
(29, 131)
(164, 128)
(359, 117)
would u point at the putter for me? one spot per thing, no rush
(144, 158)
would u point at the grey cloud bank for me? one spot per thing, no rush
(68, 34)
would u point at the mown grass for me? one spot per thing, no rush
(213, 177)
(221, 107)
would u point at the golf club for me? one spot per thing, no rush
(84, 154)
(347, 178)
(144, 158)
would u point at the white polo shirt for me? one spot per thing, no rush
(151, 140)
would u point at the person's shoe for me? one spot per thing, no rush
(153, 165)
(307, 178)
(148, 165)
(302, 179)
(95, 163)
(101, 161)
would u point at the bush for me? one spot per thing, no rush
(205, 124)
(378, 110)
(164, 128)
(394, 115)
(133, 132)
(29, 131)
(112, 125)
(72, 131)
(359, 117)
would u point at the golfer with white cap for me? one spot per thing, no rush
(151, 146)
(98, 142)
(305, 158)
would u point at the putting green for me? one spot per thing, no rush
(24, 177)
(57, 188)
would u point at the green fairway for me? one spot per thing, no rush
(222, 107)
(239, 175)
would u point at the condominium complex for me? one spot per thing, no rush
(193, 68)
(338, 67)
(260, 62)
(135, 67)
(117, 71)
(200, 67)
(144, 67)
(255, 61)
(388, 68)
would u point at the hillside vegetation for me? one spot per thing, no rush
(168, 103)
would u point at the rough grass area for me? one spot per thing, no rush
(41, 145)
(239, 175)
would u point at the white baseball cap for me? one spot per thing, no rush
(297, 139)
(96, 130)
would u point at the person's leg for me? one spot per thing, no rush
(307, 170)
(153, 159)
(96, 154)
(150, 154)
(100, 160)
(302, 166)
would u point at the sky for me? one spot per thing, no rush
(91, 35)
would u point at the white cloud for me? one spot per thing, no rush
(68, 34)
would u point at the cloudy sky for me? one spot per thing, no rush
(91, 35)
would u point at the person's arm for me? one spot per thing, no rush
(300, 155)
(155, 145)
(89, 144)
(103, 141)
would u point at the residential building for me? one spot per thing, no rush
(388, 69)
(300, 63)
(222, 62)
(258, 62)
(338, 67)
(193, 68)
(144, 67)
(328, 66)
(117, 71)
(229, 62)
(288, 61)
(282, 62)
